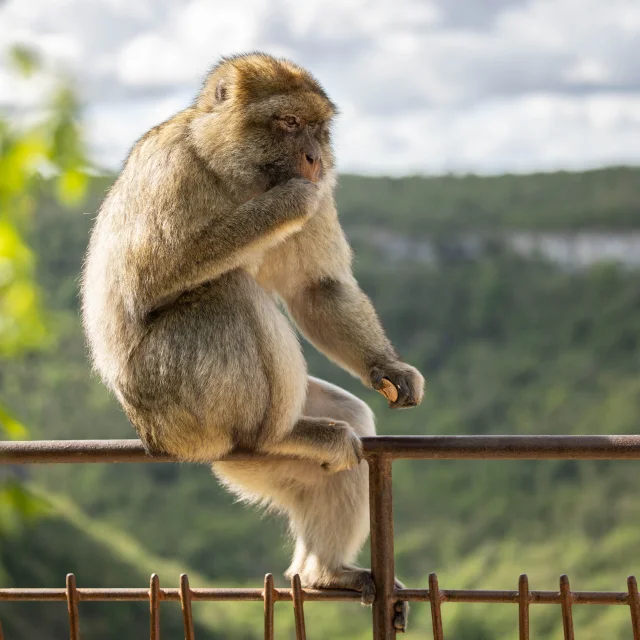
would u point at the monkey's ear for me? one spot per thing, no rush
(221, 91)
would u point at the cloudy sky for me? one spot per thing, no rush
(424, 86)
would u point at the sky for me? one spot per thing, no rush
(423, 86)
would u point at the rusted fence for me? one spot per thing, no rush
(380, 453)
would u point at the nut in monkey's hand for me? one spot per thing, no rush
(388, 390)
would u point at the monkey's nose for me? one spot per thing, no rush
(310, 165)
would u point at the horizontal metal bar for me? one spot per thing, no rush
(311, 595)
(425, 447)
(506, 447)
(536, 597)
(208, 595)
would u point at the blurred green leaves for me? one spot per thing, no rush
(12, 428)
(17, 504)
(53, 145)
(49, 144)
(25, 60)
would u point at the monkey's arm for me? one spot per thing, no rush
(312, 273)
(210, 244)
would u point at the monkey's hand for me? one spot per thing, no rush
(301, 194)
(405, 380)
(290, 203)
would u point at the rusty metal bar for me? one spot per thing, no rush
(634, 605)
(513, 597)
(312, 595)
(566, 598)
(523, 607)
(185, 601)
(435, 598)
(173, 595)
(154, 607)
(542, 447)
(269, 600)
(298, 607)
(382, 551)
(488, 447)
(72, 606)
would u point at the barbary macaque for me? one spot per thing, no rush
(218, 213)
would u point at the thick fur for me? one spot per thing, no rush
(209, 223)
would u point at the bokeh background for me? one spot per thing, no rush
(489, 154)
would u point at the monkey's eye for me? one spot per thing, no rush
(290, 122)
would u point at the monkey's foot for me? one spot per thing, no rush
(344, 578)
(401, 617)
(358, 580)
(345, 451)
(401, 608)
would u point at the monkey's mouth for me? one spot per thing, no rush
(279, 172)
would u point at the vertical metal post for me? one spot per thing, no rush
(154, 607)
(634, 605)
(185, 601)
(298, 607)
(382, 560)
(269, 598)
(435, 598)
(523, 607)
(72, 606)
(566, 598)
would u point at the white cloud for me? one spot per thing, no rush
(536, 84)
(183, 48)
(536, 132)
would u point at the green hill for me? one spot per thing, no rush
(508, 343)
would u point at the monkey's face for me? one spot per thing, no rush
(293, 138)
(260, 122)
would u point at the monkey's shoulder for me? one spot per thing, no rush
(162, 173)
(164, 152)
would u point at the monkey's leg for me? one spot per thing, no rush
(330, 517)
(328, 512)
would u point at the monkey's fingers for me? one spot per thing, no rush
(388, 390)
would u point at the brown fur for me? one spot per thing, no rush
(210, 221)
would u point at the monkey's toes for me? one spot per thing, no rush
(368, 595)
(366, 587)
(401, 617)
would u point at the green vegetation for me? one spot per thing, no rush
(54, 145)
(509, 345)
(603, 199)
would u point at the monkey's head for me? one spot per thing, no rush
(259, 121)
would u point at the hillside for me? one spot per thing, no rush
(509, 343)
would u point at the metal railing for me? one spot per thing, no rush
(380, 453)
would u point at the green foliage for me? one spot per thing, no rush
(18, 506)
(25, 60)
(508, 345)
(54, 144)
(602, 199)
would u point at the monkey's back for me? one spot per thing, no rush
(217, 361)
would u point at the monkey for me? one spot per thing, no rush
(220, 216)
